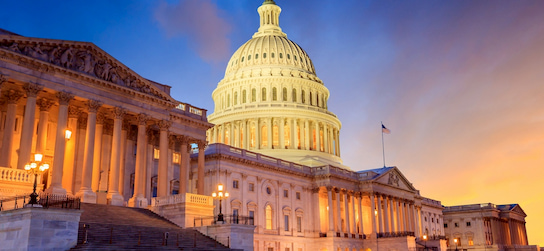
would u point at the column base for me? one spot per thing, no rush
(87, 196)
(139, 202)
(56, 190)
(115, 199)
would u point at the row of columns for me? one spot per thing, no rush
(92, 147)
(303, 134)
(508, 232)
(389, 215)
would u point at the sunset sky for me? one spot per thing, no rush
(459, 83)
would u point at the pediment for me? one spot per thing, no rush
(84, 58)
(395, 178)
(518, 209)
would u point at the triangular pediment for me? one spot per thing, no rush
(81, 57)
(518, 209)
(393, 177)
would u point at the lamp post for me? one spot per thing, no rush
(425, 239)
(456, 243)
(36, 167)
(220, 194)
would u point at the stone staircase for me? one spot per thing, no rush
(124, 228)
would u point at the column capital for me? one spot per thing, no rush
(93, 105)
(100, 118)
(143, 118)
(164, 125)
(202, 144)
(329, 188)
(126, 125)
(3, 79)
(44, 104)
(315, 189)
(73, 112)
(182, 139)
(32, 89)
(64, 97)
(13, 96)
(119, 113)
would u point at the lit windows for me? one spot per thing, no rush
(156, 153)
(268, 213)
(176, 158)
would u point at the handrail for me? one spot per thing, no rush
(46, 200)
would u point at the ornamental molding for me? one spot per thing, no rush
(81, 60)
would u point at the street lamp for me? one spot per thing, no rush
(425, 239)
(36, 167)
(220, 196)
(456, 243)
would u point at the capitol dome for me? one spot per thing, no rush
(271, 101)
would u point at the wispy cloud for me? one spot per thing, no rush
(200, 21)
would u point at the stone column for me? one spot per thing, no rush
(85, 192)
(338, 212)
(124, 135)
(222, 131)
(360, 204)
(269, 133)
(69, 173)
(60, 144)
(246, 134)
(325, 138)
(397, 208)
(113, 196)
(373, 215)
(201, 149)
(330, 211)
(420, 223)
(338, 143)
(353, 221)
(12, 97)
(27, 133)
(98, 150)
(416, 223)
(403, 213)
(380, 213)
(346, 212)
(3, 79)
(391, 206)
(239, 134)
(183, 165)
(386, 214)
(162, 177)
(41, 141)
(258, 135)
(306, 135)
(281, 133)
(317, 137)
(293, 126)
(138, 199)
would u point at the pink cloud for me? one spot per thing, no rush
(201, 23)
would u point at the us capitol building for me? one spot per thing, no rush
(113, 137)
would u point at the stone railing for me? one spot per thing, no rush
(271, 104)
(182, 198)
(249, 155)
(15, 175)
(431, 202)
(470, 207)
(191, 111)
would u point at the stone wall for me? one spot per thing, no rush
(38, 229)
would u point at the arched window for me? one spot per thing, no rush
(243, 96)
(303, 97)
(275, 137)
(264, 55)
(253, 95)
(281, 55)
(263, 96)
(253, 138)
(264, 136)
(284, 94)
(235, 98)
(274, 94)
(287, 136)
(294, 95)
(268, 214)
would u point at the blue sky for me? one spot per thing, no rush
(459, 83)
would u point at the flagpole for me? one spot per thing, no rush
(383, 147)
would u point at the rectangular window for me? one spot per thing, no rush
(468, 223)
(286, 193)
(251, 187)
(286, 223)
(235, 184)
(298, 195)
(251, 217)
(155, 153)
(176, 158)
(445, 225)
(299, 224)
(470, 241)
(456, 224)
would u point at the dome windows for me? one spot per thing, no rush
(256, 56)
(288, 56)
(272, 55)
(235, 98)
(303, 98)
(294, 95)
(284, 94)
(264, 55)
(281, 55)
(274, 94)
(243, 96)
(253, 95)
(242, 60)
(263, 96)
(248, 57)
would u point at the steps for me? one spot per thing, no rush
(125, 228)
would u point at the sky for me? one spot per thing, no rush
(460, 84)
